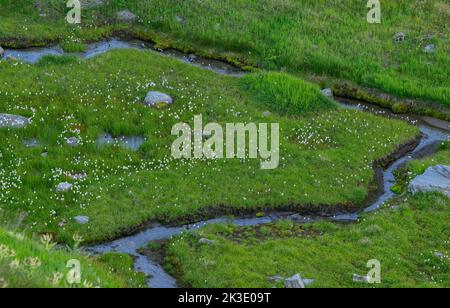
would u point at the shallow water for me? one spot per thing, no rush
(434, 131)
(34, 55)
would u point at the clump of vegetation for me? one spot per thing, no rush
(25, 262)
(73, 46)
(284, 94)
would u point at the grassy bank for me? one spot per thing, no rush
(306, 38)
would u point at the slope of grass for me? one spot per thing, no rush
(410, 240)
(302, 37)
(28, 263)
(325, 159)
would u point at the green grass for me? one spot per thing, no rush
(286, 95)
(302, 37)
(404, 240)
(418, 167)
(325, 159)
(25, 262)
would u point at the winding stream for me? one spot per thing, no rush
(34, 55)
(434, 132)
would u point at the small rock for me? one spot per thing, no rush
(266, 113)
(327, 92)
(73, 141)
(44, 154)
(13, 121)
(206, 241)
(429, 48)
(360, 279)
(157, 100)
(126, 16)
(180, 19)
(82, 220)
(399, 37)
(64, 187)
(435, 179)
(2, 52)
(295, 282)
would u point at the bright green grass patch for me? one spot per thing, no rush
(411, 242)
(27, 263)
(285, 94)
(325, 159)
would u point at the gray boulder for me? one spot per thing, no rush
(157, 100)
(295, 282)
(435, 179)
(13, 121)
(2, 52)
(82, 220)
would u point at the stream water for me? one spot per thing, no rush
(434, 132)
(34, 55)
